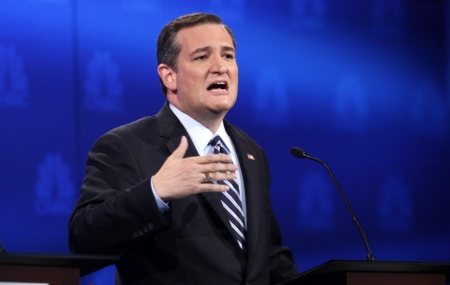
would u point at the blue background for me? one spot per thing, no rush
(363, 85)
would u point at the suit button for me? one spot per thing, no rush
(141, 232)
(135, 234)
(145, 229)
(150, 226)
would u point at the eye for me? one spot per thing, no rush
(201, 57)
(228, 56)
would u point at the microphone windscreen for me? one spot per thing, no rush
(298, 152)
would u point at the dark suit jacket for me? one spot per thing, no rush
(191, 243)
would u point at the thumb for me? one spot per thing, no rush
(181, 149)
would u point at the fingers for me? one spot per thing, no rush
(214, 158)
(210, 187)
(217, 167)
(218, 176)
(179, 177)
(180, 151)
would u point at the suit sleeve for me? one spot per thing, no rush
(116, 206)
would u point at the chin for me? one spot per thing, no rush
(221, 108)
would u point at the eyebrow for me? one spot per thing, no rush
(207, 48)
(227, 48)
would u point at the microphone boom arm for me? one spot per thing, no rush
(297, 152)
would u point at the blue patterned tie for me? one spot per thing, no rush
(231, 200)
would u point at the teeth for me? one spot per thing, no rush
(222, 85)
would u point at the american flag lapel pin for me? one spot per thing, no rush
(250, 156)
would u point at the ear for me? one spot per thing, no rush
(168, 77)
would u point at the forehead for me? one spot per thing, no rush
(204, 35)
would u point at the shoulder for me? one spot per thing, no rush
(240, 136)
(234, 130)
(141, 131)
(135, 127)
(164, 121)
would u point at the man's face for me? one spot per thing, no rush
(206, 81)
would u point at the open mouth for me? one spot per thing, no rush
(218, 86)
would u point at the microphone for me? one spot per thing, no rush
(300, 153)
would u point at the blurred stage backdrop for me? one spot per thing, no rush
(363, 85)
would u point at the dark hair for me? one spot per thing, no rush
(167, 48)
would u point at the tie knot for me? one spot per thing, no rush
(215, 140)
(218, 145)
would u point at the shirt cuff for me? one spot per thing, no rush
(163, 206)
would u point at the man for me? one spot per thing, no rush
(161, 193)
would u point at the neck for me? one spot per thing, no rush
(210, 119)
(211, 122)
(212, 126)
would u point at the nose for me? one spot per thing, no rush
(218, 65)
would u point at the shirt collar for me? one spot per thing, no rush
(199, 134)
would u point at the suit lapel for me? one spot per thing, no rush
(172, 129)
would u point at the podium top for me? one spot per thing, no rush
(86, 263)
(342, 266)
